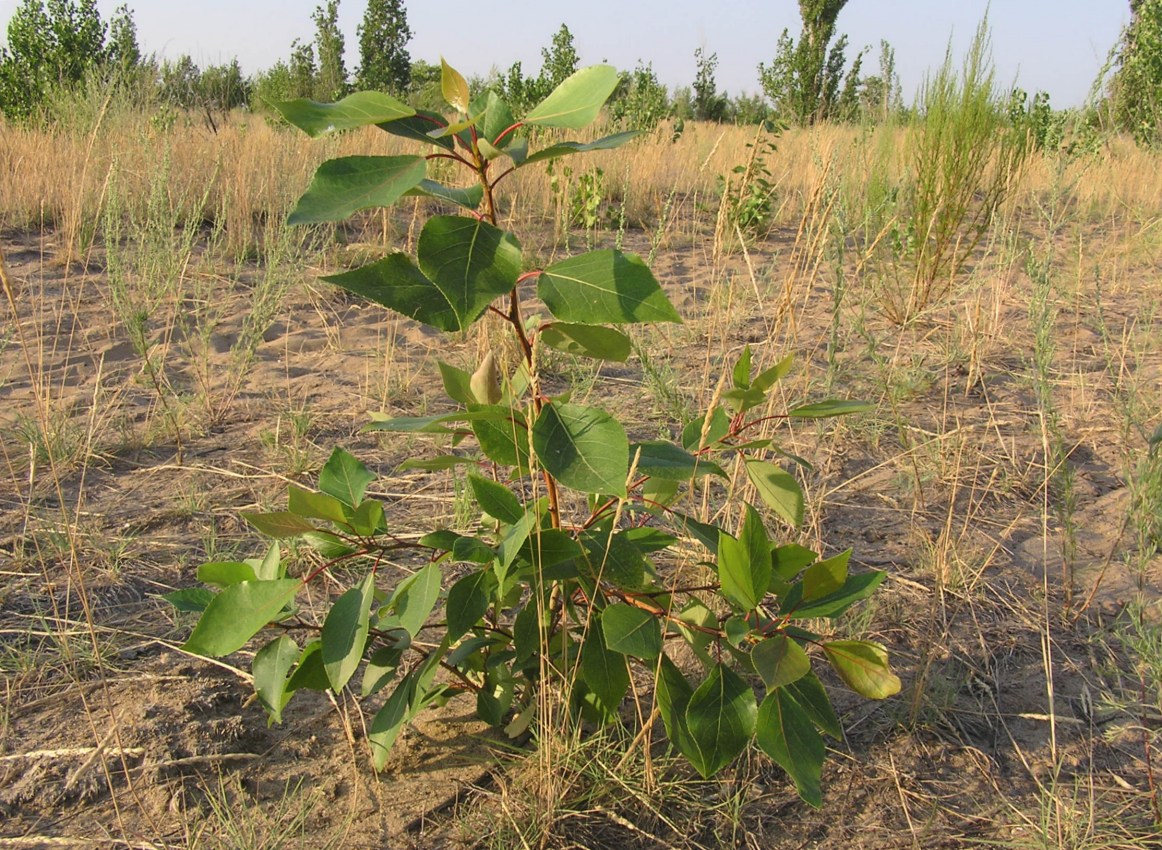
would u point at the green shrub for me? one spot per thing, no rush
(561, 587)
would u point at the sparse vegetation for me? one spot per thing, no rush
(1016, 430)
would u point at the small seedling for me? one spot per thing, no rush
(563, 583)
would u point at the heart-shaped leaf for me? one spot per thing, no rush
(582, 447)
(721, 719)
(604, 287)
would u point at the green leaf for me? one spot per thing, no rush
(457, 383)
(367, 519)
(810, 694)
(780, 661)
(604, 672)
(417, 127)
(390, 719)
(855, 588)
(345, 477)
(744, 565)
(238, 613)
(268, 567)
(825, 577)
(307, 503)
(328, 545)
(310, 674)
(464, 264)
(496, 500)
(381, 668)
(394, 282)
(279, 524)
(863, 665)
(786, 734)
(548, 547)
(344, 634)
(468, 197)
(673, 694)
(351, 183)
(613, 558)
(494, 698)
(789, 560)
(468, 602)
(561, 149)
(190, 599)
(582, 447)
(721, 719)
(705, 533)
(505, 442)
(356, 110)
(493, 118)
(631, 631)
(826, 409)
(587, 341)
(769, 377)
(662, 459)
(415, 598)
(468, 260)
(778, 489)
(604, 287)
(576, 102)
(740, 376)
(405, 702)
(269, 668)
(454, 87)
(719, 428)
(511, 545)
(226, 573)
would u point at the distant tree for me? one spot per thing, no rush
(331, 79)
(640, 102)
(1136, 87)
(709, 105)
(180, 82)
(48, 46)
(123, 49)
(384, 63)
(424, 90)
(880, 93)
(559, 59)
(223, 87)
(303, 71)
(806, 81)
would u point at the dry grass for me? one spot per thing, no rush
(1007, 456)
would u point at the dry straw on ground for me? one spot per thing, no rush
(157, 384)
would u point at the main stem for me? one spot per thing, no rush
(515, 319)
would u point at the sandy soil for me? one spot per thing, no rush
(110, 736)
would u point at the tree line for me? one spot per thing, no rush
(811, 78)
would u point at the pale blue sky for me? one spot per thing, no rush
(1055, 45)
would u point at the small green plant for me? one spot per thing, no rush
(749, 197)
(564, 582)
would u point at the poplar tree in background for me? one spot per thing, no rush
(331, 83)
(806, 80)
(1136, 89)
(384, 63)
(47, 47)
